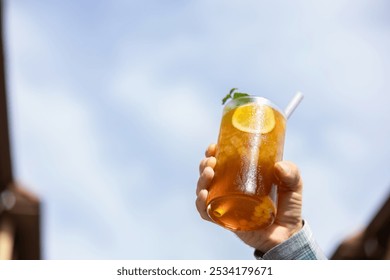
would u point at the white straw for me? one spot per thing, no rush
(293, 104)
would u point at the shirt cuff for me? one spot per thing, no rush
(300, 246)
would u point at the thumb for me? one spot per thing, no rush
(288, 176)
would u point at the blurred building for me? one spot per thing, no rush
(19, 209)
(372, 243)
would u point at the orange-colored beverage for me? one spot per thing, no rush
(243, 194)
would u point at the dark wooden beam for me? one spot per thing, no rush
(19, 208)
(6, 176)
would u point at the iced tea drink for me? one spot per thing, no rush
(243, 194)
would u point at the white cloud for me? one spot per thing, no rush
(59, 154)
(178, 111)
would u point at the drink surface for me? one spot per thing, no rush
(243, 192)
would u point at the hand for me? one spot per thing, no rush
(288, 218)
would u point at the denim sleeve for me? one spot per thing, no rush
(300, 246)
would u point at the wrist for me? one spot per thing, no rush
(279, 236)
(300, 246)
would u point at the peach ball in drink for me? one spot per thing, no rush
(243, 194)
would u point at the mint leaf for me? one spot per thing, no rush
(239, 94)
(232, 91)
(233, 94)
(225, 99)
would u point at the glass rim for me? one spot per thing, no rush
(234, 103)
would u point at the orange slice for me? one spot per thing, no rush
(254, 118)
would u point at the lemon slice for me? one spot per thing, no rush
(254, 118)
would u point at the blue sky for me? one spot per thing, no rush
(112, 104)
